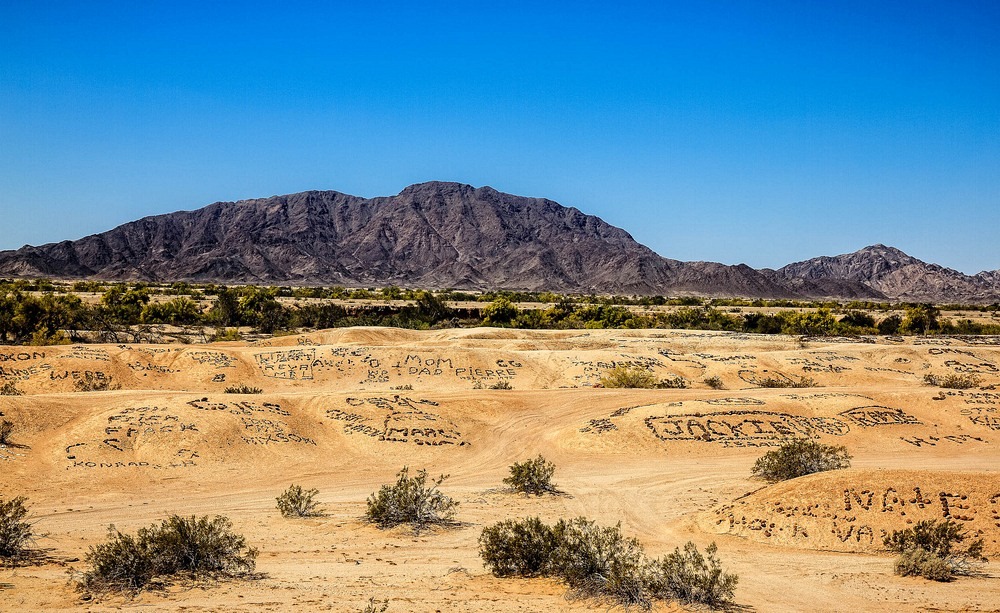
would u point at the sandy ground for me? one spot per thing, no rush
(670, 465)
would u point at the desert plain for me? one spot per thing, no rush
(344, 410)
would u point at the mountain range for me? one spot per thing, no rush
(440, 234)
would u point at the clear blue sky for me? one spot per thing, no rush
(757, 132)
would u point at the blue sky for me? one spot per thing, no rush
(758, 132)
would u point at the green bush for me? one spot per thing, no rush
(297, 502)
(243, 389)
(532, 476)
(953, 381)
(16, 534)
(800, 457)
(200, 546)
(630, 377)
(411, 501)
(517, 548)
(599, 562)
(934, 550)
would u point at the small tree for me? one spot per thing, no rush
(297, 502)
(800, 457)
(933, 549)
(411, 501)
(630, 377)
(16, 533)
(532, 476)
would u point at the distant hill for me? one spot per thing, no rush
(896, 275)
(440, 235)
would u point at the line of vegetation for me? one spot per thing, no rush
(44, 313)
(242, 389)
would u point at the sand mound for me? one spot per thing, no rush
(853, 510)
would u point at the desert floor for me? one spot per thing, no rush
(671, 465)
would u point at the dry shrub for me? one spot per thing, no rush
(714, 382)
(411, 501)
(10, 389)
(629, 377)
(16, 533)
(532, 476)
(934, 550)
(955, 381)
(781, 382)
(297, 502)
(800, 457)
(92, 383)
(502, 384)
(201, 546)
(242, 389)
(599, 562)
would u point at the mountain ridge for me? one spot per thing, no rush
(443, 234)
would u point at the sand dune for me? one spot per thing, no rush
(343, 410)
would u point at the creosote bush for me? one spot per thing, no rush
(532, 476)
(934, 550)
(297, 502)
(243, 389)
(93, 383)
(6, 430)
(672, 383)
(16, 534)
(376, 606)
(629, 376)
(780, 382)
(714, 382)
(502, 384)
(954, 381)
(599, 562)
(10, 389)
(411, 500)
(195, 545)
(799, 457)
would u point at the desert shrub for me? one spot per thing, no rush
(599, 562)
(672, 383)
(411, 501)
(376, 606)
(16, 533)
(920, 563)
(502, 384)
(691, 577)
(6, 430)
(955, 381)
(517, 548)
(714, 382)
(532, 476)
(786, 382)
(799, 457)
(406, 387)
(196, 545)
(629, 376)
(10, 389)
(226, 334)
(94, 383)
(934, 550)
(243, 389)
(297, 502)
